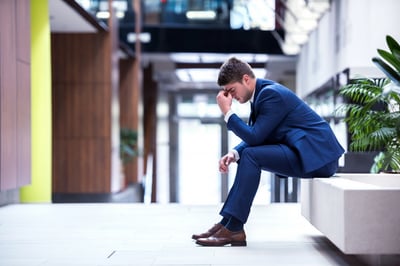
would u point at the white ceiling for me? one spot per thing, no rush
(63, 18)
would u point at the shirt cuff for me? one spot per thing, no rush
(236, 154)
(228, 115)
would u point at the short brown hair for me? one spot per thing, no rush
(233, 70)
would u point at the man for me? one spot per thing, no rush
(283, 136)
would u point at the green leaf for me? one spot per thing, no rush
(392, 44)
(396, 54)
(390, 58)
(385, 68)
(128, 147)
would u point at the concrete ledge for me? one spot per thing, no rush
(359, 213)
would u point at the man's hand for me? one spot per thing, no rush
(224, 100)
(225, 161)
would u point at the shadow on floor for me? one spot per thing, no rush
(133, 193)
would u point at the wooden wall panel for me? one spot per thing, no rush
(23, 30)
(23, 125)
(8, 96)
(150, 97)
(81, 166)
(129, 101)
(23, 105)
(82, 57)
(15, 94)
(81, 113)
(81, 110)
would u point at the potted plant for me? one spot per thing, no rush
(372, 111)
(128, 144)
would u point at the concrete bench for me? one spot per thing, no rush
(359, 213)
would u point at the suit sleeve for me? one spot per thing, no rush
(270, 109)
(240, 147)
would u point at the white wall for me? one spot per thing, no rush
(347, 37)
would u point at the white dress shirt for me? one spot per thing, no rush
(226, 118)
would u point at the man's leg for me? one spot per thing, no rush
(274, 158)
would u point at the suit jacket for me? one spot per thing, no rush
(283, 118)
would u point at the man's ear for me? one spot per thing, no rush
(246, 79)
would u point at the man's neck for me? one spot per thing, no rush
(254, 91)
(252, 96)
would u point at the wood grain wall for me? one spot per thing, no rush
(15, 139)
(129, 100)
(150, 98)
(82, 115)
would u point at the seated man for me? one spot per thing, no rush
(283, 136)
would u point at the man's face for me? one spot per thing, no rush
(240, 91)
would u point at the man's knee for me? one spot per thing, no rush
(246, 153)
(249, 154)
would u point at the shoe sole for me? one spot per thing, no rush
(233, 244)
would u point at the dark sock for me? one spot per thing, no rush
(234, 225)
(224, 221)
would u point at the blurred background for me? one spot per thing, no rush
(114, 100)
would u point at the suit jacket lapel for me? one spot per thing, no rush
(252, 117)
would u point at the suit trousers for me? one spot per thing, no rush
(279, 159)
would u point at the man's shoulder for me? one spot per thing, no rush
(278, 93)
(261, 83)
(266, 86)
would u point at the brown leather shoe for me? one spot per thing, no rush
(224, 237)
(209, 233)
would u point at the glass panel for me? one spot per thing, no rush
(236, 14)
(198, 106)
(199, 152)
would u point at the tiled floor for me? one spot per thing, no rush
(138, 234)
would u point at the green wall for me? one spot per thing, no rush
(40, 188)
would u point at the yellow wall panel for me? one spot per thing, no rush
(40, 188)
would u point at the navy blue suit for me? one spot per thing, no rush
(284, 136)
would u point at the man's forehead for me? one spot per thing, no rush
(228, 87)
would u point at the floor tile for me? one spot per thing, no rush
(121, 234)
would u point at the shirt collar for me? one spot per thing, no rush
(252, 96)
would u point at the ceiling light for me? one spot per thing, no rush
(208, 74)
(307, 24)
(185, 57)
(318, 6)
(103, 14)
(290, 48)
(216, 57)
(120, 14)
(197, 74)
(144, 37)
(298, 38)
(201, 15)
